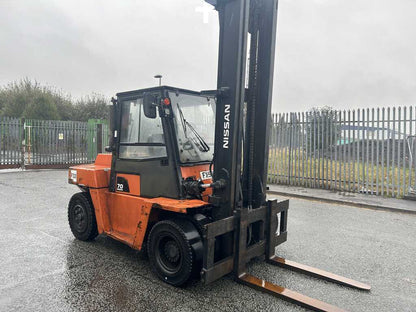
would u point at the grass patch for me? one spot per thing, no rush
(301, 169)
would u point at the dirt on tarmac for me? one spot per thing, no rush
(43, 268)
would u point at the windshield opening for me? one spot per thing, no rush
(194, 126)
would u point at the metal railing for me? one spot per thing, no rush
(367, 150)
(50, 143)
(11, 135)
(371, 151)
(411, 144)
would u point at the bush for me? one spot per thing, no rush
(29, 99)
(95, 106)
(41, 107)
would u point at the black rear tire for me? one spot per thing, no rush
(81, 217)
(172, 248)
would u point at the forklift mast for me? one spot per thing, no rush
(245, 224)
(237, 20)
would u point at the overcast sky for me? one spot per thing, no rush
(346, 54)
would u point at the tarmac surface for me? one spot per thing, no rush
(345, 198)
(43, 268)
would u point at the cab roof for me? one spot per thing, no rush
(166, 88)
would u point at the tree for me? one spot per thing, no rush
(16, 96)
(95, 106)
(41, 107)
(322, 127)
(27, 98)
(63, 103)
(24, 97)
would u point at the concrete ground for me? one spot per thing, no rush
(345, 198)
(43, 268)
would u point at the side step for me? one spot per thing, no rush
(292, 265)
(286, 294)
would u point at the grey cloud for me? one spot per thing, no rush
(340, 53)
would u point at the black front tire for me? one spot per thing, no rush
(174, 251)
(81, 217)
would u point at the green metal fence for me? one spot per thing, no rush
(11, 134)
(50, 143)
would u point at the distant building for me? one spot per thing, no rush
(349, 133)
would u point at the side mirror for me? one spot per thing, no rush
(149, 106)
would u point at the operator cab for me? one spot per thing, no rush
(166, 136)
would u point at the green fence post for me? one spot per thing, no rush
(97, 137)
(22, 142)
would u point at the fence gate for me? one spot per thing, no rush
(50, 143)
(11, 136)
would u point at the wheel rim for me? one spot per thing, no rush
(168, 254)
(79, 218)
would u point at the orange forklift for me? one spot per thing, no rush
(186, 175)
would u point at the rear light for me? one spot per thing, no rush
(73, 176)
(166, 101)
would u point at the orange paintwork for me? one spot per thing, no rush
(95, 175)
(128, 217)
(125, 216)
(100, 201)
(103, 160)
(195, 172)
(176, 205)
(134, 183)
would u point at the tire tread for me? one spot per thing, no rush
(92, 230)
(184, 278)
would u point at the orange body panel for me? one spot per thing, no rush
(175, 205)
(103, 160)
(125, 216)
(128, 216)
(195, 172)
(95, 175)
(134, 183)
(99, 199)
